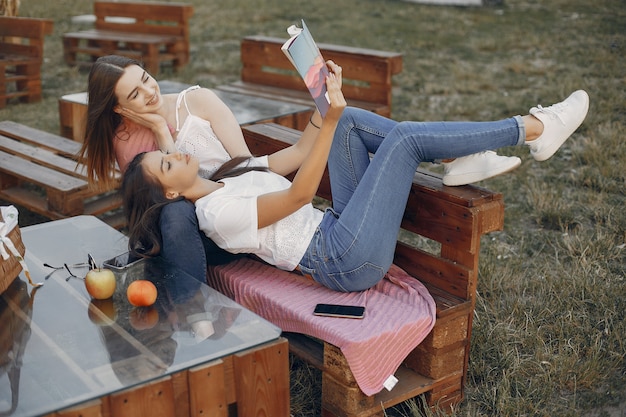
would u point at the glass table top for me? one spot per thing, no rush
(60, 348)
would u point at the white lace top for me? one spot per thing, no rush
(196, 137)
(229, 217)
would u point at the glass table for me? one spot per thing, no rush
(62, 349)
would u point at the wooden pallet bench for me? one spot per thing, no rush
(367, 75)
(152, 32)
(451, 220)
(21, 56)
(38, 171)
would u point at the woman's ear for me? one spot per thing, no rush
(170, 195)
(117, 109)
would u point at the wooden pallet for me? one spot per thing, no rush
(367, 75)
(39, 171)
(21, 56)
(152, 32)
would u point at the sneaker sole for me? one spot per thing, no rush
(457, 180)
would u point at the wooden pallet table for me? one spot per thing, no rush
(75, 356)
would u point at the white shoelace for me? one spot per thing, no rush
(555, 110)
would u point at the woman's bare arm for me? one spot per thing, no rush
(289, 159)
(206, 104)
(154, 122)
(272, 207)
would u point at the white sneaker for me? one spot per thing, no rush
(559, 122)
(477, 167)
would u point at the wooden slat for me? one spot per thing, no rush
(11, 60)
(103, 203)
(31, 30)
(40, 138)
(262, 376)
(39, 175)
(59, 145)
(25, 27)
(154, 399)
(42, 157)
(116, 220)
(88, 409)
(306, 348)
(433, 269)
(208, 390)
(35, 202)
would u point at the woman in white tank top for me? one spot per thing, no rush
(127, 115)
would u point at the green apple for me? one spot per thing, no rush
(100, 283)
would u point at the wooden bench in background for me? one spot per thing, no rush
(451, 220)
(38, 171)
(21, 57)
(367, 75)
(152, 32)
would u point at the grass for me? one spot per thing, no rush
(550, 320)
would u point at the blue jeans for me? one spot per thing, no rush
(354, 245)
(184, 245)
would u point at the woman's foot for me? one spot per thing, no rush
(559, 122)
(477, 167)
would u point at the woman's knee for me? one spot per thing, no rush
(350, 114)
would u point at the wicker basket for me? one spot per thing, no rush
(11, 268)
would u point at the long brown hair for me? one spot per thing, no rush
(102, 121)
(143, 198)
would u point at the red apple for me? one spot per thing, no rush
(143, 318)
(100, 283)
(141, 293)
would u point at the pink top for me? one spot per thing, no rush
(130, 140)
(195, 137)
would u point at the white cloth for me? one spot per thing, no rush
(9, 217)
(7, 248)
(229, 217)
(197, 138)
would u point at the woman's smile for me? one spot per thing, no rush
(154, 99)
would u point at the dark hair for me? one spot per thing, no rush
(143, 198)
(102, 121)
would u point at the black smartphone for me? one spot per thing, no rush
(121, 262)
(336, 310)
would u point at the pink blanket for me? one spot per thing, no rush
(399, 314)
